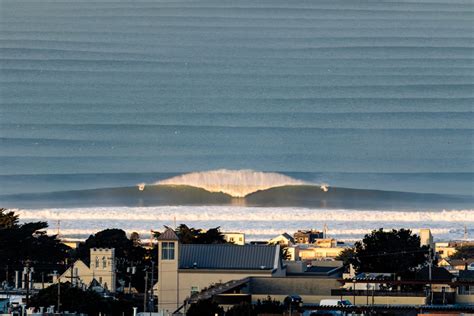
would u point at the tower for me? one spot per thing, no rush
(102, 267)
(168, 263)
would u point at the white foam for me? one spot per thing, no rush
(256, 222)
(236, 183)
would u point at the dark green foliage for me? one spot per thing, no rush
(77, 300)
(197, 236)
(205, 308)
(464, 252)
(267, 306)
(28, 242)
(127, 253)
(8, 219)
(395, 251)
(346, 256)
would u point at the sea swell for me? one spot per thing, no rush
(304, 195)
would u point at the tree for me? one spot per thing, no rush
(198, 236)
(28, 242)
(205, 308)
(126, 254)
(8, 219)
(464, 252)
(346, 256)
(78, 300)
(395, 251)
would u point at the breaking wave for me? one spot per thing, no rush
(236, 183)
(256, 222)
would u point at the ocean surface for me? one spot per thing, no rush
(373, 98)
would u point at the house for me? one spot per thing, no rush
(465, 291)
(101, 270)
(455, 265)
(234, 238)
(444, 249)
(307, 236)
(284, 239)
(186, 269)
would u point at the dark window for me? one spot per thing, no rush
(167, 251)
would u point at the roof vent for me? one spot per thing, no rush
(262, 267)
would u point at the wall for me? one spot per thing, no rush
(203, 279)
(465, 299)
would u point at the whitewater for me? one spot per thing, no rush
(256, 222)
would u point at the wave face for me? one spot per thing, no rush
(300, 195)
(236, 183)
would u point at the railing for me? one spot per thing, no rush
(344, 292)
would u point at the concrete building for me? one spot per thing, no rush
(186, 269)
(101, 269)
(234, 238)
(426, 238)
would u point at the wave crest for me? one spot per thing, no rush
(236, 183)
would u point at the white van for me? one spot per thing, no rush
(334, 302)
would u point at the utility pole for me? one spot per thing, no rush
(59, 294)
(27, 281)
(152, 299)
(145, 292)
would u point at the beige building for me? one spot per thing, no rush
(284, 239)
(426, 238)
(101, 269)
(444, 249)
(235, 238)
(186, 269)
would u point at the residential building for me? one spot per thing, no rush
(444, 249)
(307, 236)
(284, 239)
(465, 292)
(186, 269)
(101, 270)
(235, 238)
(455, 265)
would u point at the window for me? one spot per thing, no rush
(96, 262)
(167, 251)
(104, 262)
(194, 290)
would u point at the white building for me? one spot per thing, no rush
(235, 238)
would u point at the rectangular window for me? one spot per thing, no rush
(167, 251)
(194, 290)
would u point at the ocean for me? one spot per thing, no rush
(372, 98)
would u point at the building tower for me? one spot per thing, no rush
(102, 267)
(168, 263)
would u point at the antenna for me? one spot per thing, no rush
(465, 232)
(174, 221)
(59, 227)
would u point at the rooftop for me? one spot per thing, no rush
(228, 256)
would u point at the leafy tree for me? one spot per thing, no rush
(205, 308)
(395, 251)
(464, 252)
(126, 253)
(346, 256)
(8, 219)
(267, 306)
(211, 236)
(77, 300)
(28, 242)
(197, 236)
